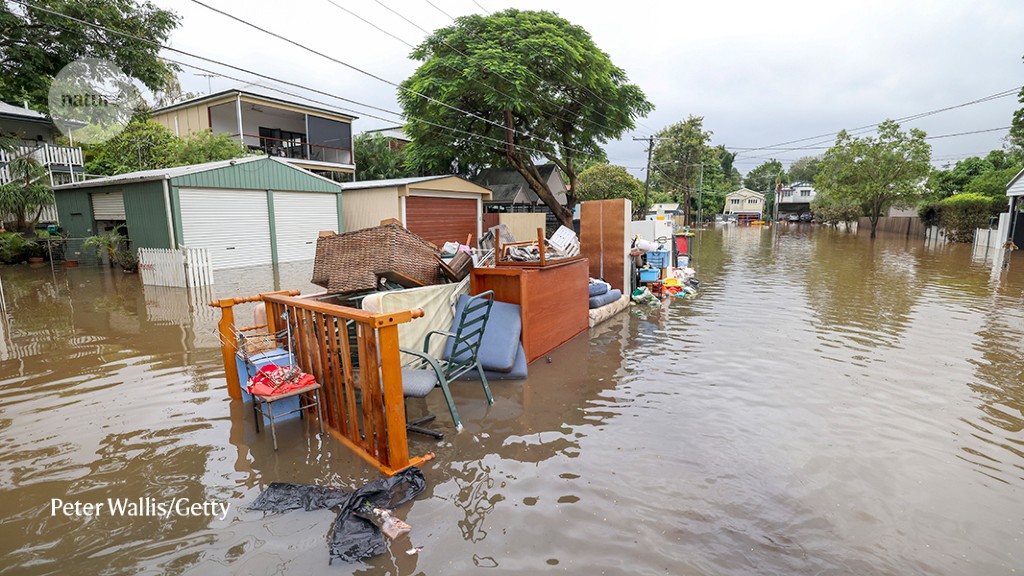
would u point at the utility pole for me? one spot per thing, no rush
(647, 181)
(700, 197)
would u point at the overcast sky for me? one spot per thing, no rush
(760, 73)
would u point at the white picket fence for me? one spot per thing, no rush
(184, 267)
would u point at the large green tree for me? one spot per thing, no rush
(35, 45)
(378, 159)
(146, 145)
(679, 153)
(605, 181)
(515, 87)
(877, 172)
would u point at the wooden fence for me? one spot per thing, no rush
(906, 225)
(362, 403)
(184, 267)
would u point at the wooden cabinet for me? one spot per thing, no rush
(553, 301)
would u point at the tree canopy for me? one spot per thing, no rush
(876, 172)
(987, 176)
(805, 169)
(146, 145)
(512, 87)
(378, 159)
(766, 176)
(1016, 136)
(35, 45)
(605, 181)
(676, 162)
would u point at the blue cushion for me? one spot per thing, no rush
(518, 371)
(598, 288)
(501, 335)
(605, 299)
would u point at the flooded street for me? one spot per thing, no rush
(827, 405)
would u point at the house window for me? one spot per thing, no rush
(805, 193)
(283, 143)
(735, 201)
(752, 201)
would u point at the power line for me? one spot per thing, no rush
(997, 95)
(269, 78)
(372, 75)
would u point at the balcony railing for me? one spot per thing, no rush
(299, 150)
(63, 161)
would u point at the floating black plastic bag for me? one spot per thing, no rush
(282, 496)
(355, 537)
(352, 537)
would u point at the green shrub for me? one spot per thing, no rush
(14, 248)
(961, 214)
(928, 212)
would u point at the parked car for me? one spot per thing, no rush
(793, 217)
(806, 217)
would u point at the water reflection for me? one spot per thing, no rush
(827, 404)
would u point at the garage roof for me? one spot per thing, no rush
(178, 171)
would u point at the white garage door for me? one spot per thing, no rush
(298, 219)
(233, 225)
(107, 205)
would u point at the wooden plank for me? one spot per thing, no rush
(325, 371)
(228, 347)
(351, 413)
(376, 395)
(368, 381)
(339, 415)
(394, 400)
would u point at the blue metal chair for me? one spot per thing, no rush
(426, 372)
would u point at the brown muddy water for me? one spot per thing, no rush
(828, 405)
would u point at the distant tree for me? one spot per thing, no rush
(877, 172)
(677, 160)
(377, 159)
(26, 194)
(835, 211)
(604, 181)
(805, 169)
(544, 87)
(35, 45)
(766, 176)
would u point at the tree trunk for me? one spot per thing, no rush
(529, 172)
(874, 226)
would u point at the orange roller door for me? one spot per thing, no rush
(441, 220)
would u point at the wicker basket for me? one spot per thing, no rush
(350, 262)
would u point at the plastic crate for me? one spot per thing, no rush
(649, 274)
(658, 259)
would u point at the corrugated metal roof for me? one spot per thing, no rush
(506, 183)
(258, 92)
(159, 174)
(390, 182)
(22, 112)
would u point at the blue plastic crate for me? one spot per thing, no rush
(246, 370)
(658, 259)
(649, 274)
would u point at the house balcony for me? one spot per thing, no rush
(306, 139)
(63, 164)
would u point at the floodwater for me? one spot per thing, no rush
(827, 405)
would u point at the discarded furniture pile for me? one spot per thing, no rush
(401, 317)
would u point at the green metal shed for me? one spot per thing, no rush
(249, 211)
